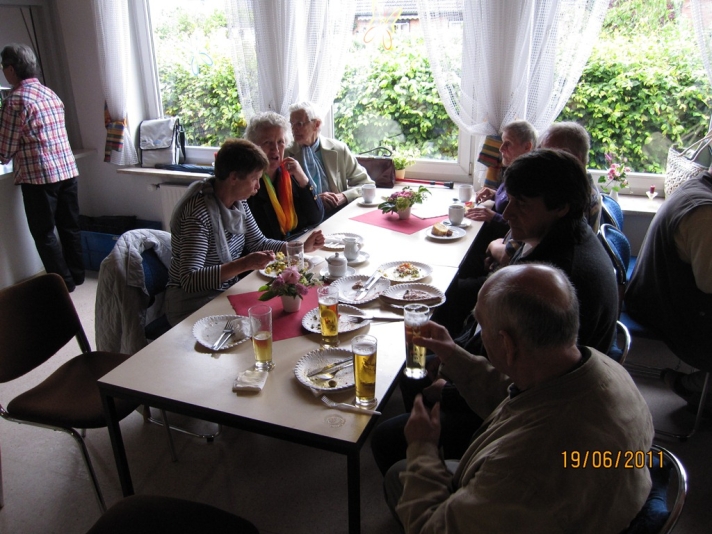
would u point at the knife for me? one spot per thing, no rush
(369, 284)
(329, 367)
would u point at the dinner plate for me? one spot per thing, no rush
(317, 359)
(308, 261)
(347, 292)
(389, 271)
(457, 233)
(396, 295)
(324, 273)
(208, 329)
(464, 224)
(362, 257)
(335, 241)
(311, 322)
(365, 204)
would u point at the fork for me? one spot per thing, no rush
(226, 333)
(347, 407)
(361, 318)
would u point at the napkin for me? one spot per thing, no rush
(250, 380)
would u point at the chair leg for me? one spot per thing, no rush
(2, 499)
(698, 418)
(87, 461)
(148, 418)
(174, 456)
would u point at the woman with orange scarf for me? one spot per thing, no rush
(286, 206)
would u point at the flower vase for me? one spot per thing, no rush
(404, 214)
(291, 304)
(400, 174)
(614, 195)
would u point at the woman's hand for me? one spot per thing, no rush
(295, 169)
(314, 241)
(332, 200)
(250, 262)
(484, 194)
(480, 213)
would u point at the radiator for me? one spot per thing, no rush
(170, 195)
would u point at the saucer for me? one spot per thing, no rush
(464, 224)
(362, 256)
(326, 276)
(365, 204)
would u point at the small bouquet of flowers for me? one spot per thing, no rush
(616, 178)
(290, 282)
(403, 199)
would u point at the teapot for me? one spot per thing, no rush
(337, 265)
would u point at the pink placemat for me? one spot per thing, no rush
(392, 222)
(284, 325)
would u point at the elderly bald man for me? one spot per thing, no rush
(520, 473)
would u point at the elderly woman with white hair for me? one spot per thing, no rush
(329, 163)
(286, 205)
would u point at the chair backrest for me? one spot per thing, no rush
(611, 212)
(617, 246)
(621, 343)
(154, 272)
(37, 319)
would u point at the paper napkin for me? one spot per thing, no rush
(250, 380)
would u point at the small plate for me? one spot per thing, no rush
(335, 241)
(315, 360)
(208, 329)
(395, 295)
(464, 224)
(362, 257)
(311, 322)
(362, 202)
(457, 233)
(347, 293)
(324, 273)
(308, 260)
(389, 271)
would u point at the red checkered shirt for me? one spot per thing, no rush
(34, 136)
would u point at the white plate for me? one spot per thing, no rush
(362, 257)
(388, 270)
(324, 273)
(311, 322)
(208, 329)
(335, 241)
(365, 204)
(315, 360)
(347, 293)
(394, 295)
(457, 233)
(308, 260)
(464, 224)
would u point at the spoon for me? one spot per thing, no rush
(329, 375)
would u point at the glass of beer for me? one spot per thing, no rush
(261, 328)
(365, 351)
(295, 254)
(416, 315)
(329, 314)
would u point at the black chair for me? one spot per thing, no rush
(611, 212)
(147, 514)
(38, 319)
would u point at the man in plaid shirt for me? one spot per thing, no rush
(34, 137)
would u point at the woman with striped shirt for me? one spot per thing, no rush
(214, 237)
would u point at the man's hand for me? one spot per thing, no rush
(497, 254)
(434, 392)
(314, 241)
(423, 425)
(333, 200)
(437, 339)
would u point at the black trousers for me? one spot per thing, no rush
(50, 205)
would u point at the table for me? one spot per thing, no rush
(177, 374)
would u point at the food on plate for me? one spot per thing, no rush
(278, 265)
(441, 230)
(407, 270)
(358, 285)
(416, 294)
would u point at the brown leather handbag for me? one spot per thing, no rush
(381, 169)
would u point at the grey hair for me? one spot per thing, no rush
(536, 316)
(568, 136)
(268, 119)
(23, 60)
(307, 107)
(522, 131)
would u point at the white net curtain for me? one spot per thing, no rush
(702, 20)
(301, 46)
(510, 59)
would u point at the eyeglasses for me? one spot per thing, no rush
(300, 124)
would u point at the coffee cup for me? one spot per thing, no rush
(464, 192)
(456, 213)
(368, 192)
(351, 248)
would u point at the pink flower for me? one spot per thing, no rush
(302, 290)
(278, 283)
(291, 275)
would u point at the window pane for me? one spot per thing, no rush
(195, 69)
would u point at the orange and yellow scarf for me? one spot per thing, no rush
(282, 200)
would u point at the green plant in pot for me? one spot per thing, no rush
(402, 158)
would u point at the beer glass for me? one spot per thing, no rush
(416, 315)
(261, 328)
(329, 314)
(365, 351)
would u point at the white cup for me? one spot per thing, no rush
(456, 213)
(368, 192)
(464, 192)
(351, 248)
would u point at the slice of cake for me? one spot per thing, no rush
(441, 230)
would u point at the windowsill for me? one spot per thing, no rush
(162, 173)
(641, 205)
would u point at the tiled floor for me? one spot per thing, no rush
(281, 487)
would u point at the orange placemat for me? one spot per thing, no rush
(392, 222)
(284, 325)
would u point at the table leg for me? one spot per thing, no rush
(354, 484)
(117, 443)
